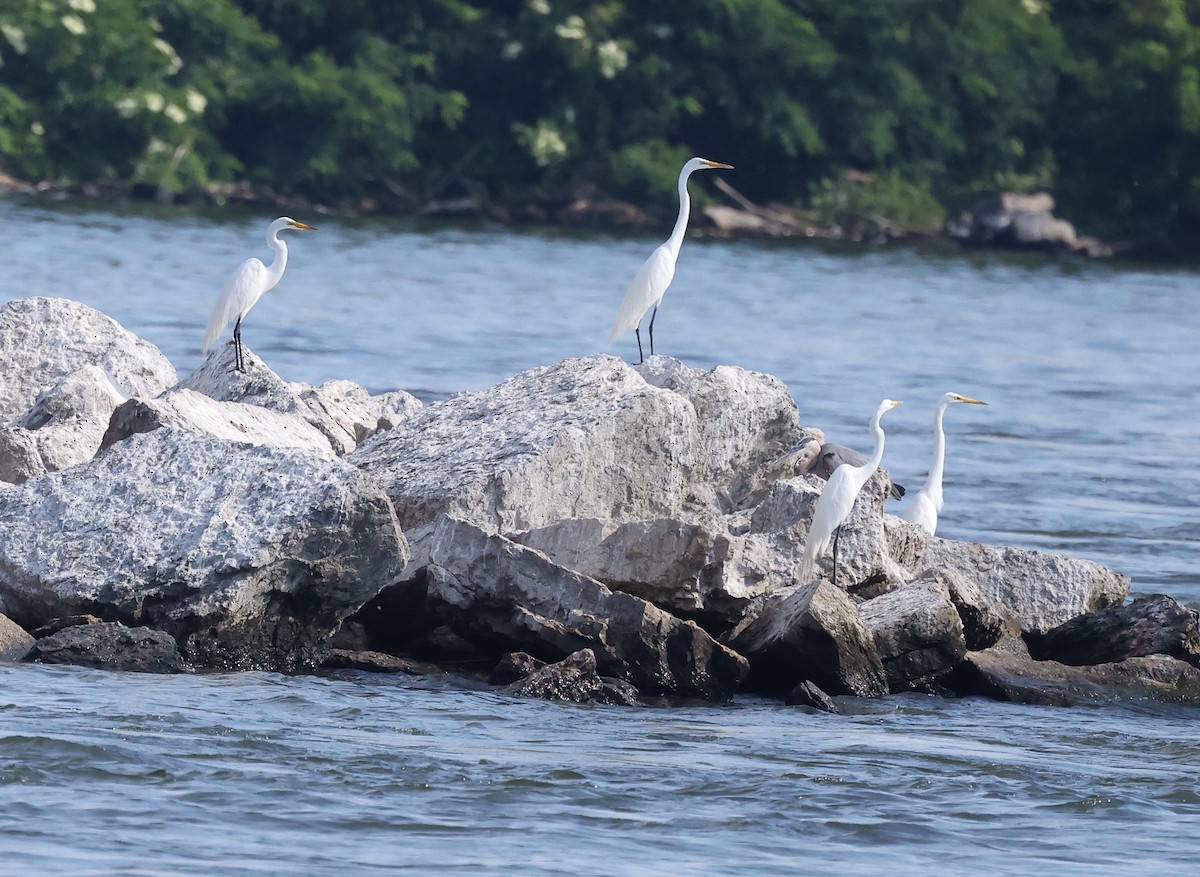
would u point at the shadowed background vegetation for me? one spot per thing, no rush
(907, 108)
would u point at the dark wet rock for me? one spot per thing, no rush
(982, 621)
(443, 644)
(812, 633)
(54, 625)
(111, 646)
(1002, 674)
(370, 662)
(513, 667)
(1154, 625)
(917, 630)
(1040, 590)
(810, 695)
(250, 557)
(618, 692)
(491, 589)
(15, 643)
(572, 679)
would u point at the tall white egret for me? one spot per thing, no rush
(247, 285)
(837, 500)
(651, 282)
(927, 504)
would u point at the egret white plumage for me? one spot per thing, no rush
(247, 285)
(837, 500)
(650, 283)
(927, 504)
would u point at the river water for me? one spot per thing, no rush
(1088, 447)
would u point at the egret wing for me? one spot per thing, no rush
(244, 288)
(645, 291)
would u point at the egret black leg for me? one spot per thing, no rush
(638, 333)
(837, 534)
(237, 346)
(652, 316)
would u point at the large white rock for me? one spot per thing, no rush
(342, 411)
(64, 427)
(248, 556)
(587, 438)
(230, 421)
(43, 340)
(1041, 590)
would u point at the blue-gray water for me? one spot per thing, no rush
(1088, 447)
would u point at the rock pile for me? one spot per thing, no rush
(593, 530)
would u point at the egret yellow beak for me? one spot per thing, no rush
(717, 164)
(302, 226)
(970, 401)
(894, 404)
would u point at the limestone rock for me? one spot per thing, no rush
(587, 438)
(515, 666)
(230, 421)
(917, 631)
(491, 589)
(1154, 625)
(1004, 675)
(1040, 590)
(111, 646)
(43, 340)
(810, 633)
(15, 643)
(339, 411)
(248, 556)
(370, 662)
(64, 427)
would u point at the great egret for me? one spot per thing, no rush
(247, 285)
(837, 500)
(925, 506)
(655, 275)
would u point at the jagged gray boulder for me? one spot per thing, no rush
(491, 589)
(917, 630)
(64, 427)
(342, 411)
(248, 556)
(15, 643)
(230, 421)
(1040, 590)
(43, 340)
(1007, 675)
(111, 646)
(810, 633)
(1152, 625)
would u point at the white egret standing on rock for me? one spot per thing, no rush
(651, 282)
(925, 506)
(251, 279)
(837, 500)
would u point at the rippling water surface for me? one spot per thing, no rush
(1088, 447)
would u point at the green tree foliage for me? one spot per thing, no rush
(893, 106)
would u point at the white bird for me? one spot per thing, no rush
(837, 500)
(650, 283)
(927, 504)
(247, 285)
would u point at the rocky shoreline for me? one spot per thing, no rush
(1005, 221)
(588, 531)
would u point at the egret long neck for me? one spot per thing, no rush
(933, 484)
(675, 241)
(279, 263)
